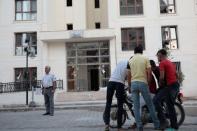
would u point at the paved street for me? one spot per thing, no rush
(68, 120)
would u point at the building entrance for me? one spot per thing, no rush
(93, 77)
(88, 65)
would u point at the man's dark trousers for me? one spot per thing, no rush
(49, 100)
(111, 88)
(168, 95)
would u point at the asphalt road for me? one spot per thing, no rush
(71, 120)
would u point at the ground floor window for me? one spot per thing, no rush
(20, 74)
(88, 65)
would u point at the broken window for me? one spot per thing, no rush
(167, 7)
(169, 37)
(131, 37)
(21, 43)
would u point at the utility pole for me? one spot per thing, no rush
(27, 71)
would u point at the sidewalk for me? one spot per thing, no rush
(63, 100)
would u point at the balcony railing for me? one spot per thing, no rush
(22, 85)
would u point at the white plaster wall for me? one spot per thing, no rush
(76, 15)
(57, 60)
(8, 27)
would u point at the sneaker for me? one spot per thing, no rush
(171, 129)
(107, 128)
(47, 113)
(120, 129)
(158, 129)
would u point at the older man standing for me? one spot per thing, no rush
(140, 76)
(48, 87)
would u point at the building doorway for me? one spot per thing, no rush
(93, 77)
(88, 65)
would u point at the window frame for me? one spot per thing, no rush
(96, 4)
(97, 25)
(169, 46)
(30, 12)
(20, 45)
(168, 5)
(31, 70)
(137, 40)
(136, 6)
(69, 3)
(178, 66)
(69, 26)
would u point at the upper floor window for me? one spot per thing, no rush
(97, 25)
(167, 7)
(169, 37)
(25, 9)
(20, 42)
(131, 7)
(131, 37)
(69, 26)
(69, 2)
(97, 3)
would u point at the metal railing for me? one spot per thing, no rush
(22, 85)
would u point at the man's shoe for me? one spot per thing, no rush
(164, 125)
(120, 129)
(107, 128)
(46, 114)
(171, 129)
(51, 114)
(158, 129)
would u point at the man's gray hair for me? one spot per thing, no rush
(48, 67)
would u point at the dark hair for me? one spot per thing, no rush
(138, 49)
(163, 52)
(152, 63)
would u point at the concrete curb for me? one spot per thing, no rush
(21, 109)
(71, 105)
(58, 106)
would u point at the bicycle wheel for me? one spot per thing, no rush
(113, 116)
(180, 113)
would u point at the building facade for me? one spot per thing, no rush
(82, 40)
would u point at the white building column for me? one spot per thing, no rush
(113, 53)
(43, 59)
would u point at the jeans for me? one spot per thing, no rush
(111, 88)
(168, 95)
(138, 87)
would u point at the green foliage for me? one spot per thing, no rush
(180, 77)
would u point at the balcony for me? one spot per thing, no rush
(77, 35)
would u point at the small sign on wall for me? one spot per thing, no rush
(76, 34)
